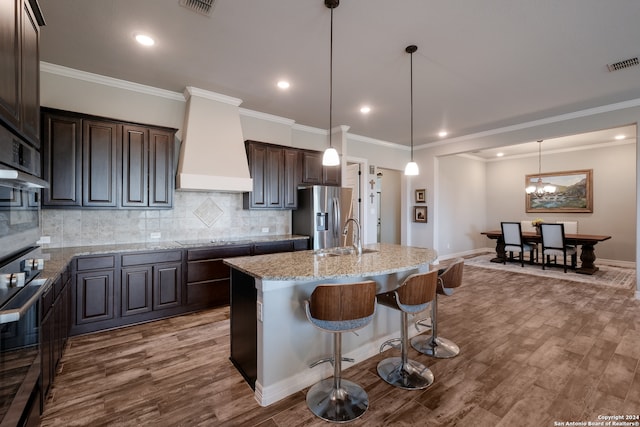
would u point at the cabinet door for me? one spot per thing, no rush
(99, 153)
(62, 161)
(331, 175)
(47, 368)
(135, 166)
(167, 285)
(291, 178)
(312, 167)
(161, 176)
(10, 63)
(275, 177)
(258, 166)
(94, 296)
(136, 290)
(30, 84)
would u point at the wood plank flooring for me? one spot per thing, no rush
(534, 351)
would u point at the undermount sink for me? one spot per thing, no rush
(341, 250)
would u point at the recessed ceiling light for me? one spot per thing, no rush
(618, 137)
(283, 84)
(365, 109)
(500, 154)
(145, 40)
(442, 133)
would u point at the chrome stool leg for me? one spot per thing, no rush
(335, 399)
(435, 346)
(402, 372)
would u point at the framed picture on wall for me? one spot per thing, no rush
(573, 192)
(421, 195)
(419, 214)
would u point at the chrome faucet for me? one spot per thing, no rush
(356, 235)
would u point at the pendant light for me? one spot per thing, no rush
(412, 167)
(540, 189)
(330, 157)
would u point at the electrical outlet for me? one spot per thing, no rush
(44, 240)
(259, 312)
(155, 235)
(265, 229)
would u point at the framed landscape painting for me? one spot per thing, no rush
(574, 192)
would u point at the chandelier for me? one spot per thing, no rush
(540, 189)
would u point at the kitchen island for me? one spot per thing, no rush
(272, 342)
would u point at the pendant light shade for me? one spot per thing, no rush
(331, 157)
(412, 167)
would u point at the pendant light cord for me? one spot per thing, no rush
(331, 82)
(411, 86)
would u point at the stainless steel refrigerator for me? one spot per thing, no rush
(321, 215)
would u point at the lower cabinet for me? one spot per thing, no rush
(114, 290)
(120, 289)
(208, 277)
(54, 328)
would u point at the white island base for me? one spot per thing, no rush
(286, 343)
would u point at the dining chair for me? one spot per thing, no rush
(570, 227)
(554, 244)
(513, 242)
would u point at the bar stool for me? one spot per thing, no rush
(412, 296)
(434, 345)
(337, 309)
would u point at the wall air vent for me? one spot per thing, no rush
(203, 7)
(631, 62)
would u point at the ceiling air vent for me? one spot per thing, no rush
(631, 62)
(203, 7)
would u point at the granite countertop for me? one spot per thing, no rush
(57, 259)
(305, 265)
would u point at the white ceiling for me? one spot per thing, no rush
(479, 65)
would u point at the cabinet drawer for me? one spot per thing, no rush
(273, 247)
(200, 271)
(151, 258)
(228, 251)
(95, 262)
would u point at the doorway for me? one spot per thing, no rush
(388, 206)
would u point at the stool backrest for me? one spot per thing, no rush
(418, 288)
(343, 301)
(452, 276)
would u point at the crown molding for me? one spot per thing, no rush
(379, 142)
(214, 96)
(267, 117)
(59, 70)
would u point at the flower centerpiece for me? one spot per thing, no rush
(536, 223)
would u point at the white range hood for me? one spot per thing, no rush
(212, 154)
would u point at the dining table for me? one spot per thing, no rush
(586, 241)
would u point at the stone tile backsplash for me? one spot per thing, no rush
(188, 220)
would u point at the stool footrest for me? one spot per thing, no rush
(393, 343)
(330, 360)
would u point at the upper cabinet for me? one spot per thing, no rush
(277, 171)
(20, 22)
(95, 162)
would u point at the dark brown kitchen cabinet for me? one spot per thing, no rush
(55, 305)
(20, 22)
(62, 168)
(147, 167)
(208, 277)
(94, 292)
(94, 162)
(99, 160)
(151, 281)
(291, 178)
(314, 173)
(266, 164)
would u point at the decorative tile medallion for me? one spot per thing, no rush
(208, 212)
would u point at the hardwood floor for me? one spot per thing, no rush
(534, 351)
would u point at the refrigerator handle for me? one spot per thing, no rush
(336, 218)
